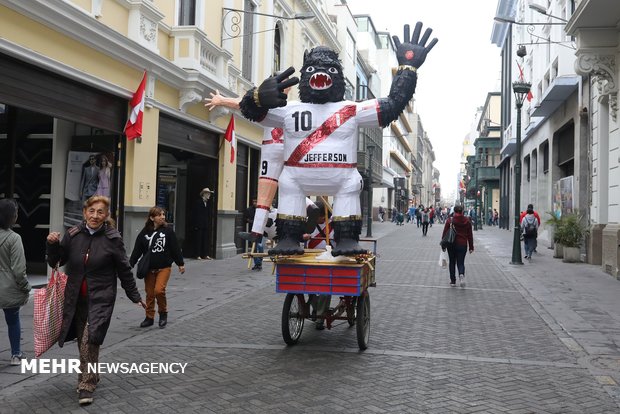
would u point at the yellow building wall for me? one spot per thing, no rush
(115, 16)
(140, 174)
(84, 4)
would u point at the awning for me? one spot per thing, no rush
(556, 94)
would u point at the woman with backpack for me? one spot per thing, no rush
(529, 229)
(458, 249)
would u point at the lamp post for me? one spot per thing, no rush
(370, 149)
(476, 193)
(521, 90)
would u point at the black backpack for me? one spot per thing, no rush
(530, 228)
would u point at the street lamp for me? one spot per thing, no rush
(520, 89)
(476, 194)
(370, 149)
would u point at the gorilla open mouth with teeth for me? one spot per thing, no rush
(321, 78)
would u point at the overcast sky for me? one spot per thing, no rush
(458, 73)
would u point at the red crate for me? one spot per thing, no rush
(321, 279)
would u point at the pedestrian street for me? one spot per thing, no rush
(538, 338)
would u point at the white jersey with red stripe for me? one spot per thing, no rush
(272, 154)
(322, 135)
(317, 237)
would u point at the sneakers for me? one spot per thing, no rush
(452, 284)
(163, 319)
(17, 359)
(147, 322)
(257, 267)
(320, 326)
(462, 280)
(85, 397)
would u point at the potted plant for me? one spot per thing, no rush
(571, 236)
(555, 222)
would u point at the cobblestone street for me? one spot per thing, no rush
(537, 338)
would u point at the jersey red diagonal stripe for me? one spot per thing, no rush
(321, 133)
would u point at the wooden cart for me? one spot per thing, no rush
(301, 276)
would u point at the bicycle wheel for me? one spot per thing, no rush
(292, 319)
(362, 320)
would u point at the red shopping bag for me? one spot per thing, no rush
(48, 305)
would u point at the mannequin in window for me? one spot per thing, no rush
(105, 172)
(90, 178)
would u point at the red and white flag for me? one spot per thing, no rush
(133, 128)
(530, 95)
(230, 137)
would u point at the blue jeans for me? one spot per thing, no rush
(11, 315)
(456, 254)
(260, 248)
(529, 243)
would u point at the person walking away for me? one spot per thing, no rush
(200, 223)
(431, 216)
(458, 250)
(381, 214)
(248, 215)
(495, 217)
(425, 219)
(418, 215)
(158, 238)
(14, 286)
(529, 229)
(93, 254)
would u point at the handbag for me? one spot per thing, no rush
(144, 264)
(450, 236)
(48, 307)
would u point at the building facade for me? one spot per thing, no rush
(594, 27)
(69, 69)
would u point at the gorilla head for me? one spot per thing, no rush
(321, 78)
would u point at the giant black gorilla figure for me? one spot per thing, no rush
(320, 136)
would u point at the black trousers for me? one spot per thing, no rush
(201, 241)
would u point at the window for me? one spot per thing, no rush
(526, 161)
(350, 46)
(534, 164)
(545, 156)
(187, 12)
(248, 39)
(277, 49)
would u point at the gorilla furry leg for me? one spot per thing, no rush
(290, 232)
(347, 236)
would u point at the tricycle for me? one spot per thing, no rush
(300, 277)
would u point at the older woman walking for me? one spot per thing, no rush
(159, 239)
(93, 254)
(14, 286)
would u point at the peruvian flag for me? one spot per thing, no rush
(230, 137)
(133, 128)
(530, 95)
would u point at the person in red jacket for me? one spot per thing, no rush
(458, 249)
(523, 213)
